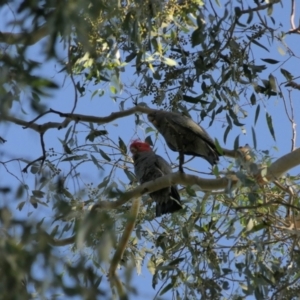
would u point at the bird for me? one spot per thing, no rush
(149, 166)
(185, 136)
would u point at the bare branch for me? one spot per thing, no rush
(31, 163)
(292, 18)
(84, 118)
(36, 127)
(290, 116)
(35, 119)
(120, 114)
(70, 70)
(280, 166)
(257, 8)
(293, 29)
(42, 158)
(114, 279)
(98, 120)
(103, 120)
(25, 38)
(165, 181)
(292, 120)
(283, 164)
(297, 30)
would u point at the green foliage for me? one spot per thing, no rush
(210, 59)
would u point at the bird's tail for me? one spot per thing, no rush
(170, 206)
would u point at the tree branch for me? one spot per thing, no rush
(257, 8)
(280, 166)
(283, 164)
(103, 120)
(293, 29)
(292, 18)
(26, 38)
(114, 279)
(75, 117)
(42, 128)
(36, 127)
(41, 158)
(121, 114)
(165, 181)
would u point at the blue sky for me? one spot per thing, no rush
(25, 143)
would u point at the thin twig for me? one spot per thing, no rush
(213, 8)
(290, 117)
(31, 163)
(41, 158)
(292, 120)
(35, 119)
(292, 18)
(69, 67)
(257, 8)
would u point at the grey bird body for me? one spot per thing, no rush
(184, 135)
(149, 166)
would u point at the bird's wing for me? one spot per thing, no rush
(174, 193)
(162, 165)
(178, 122)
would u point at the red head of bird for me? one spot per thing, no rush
(139, 146)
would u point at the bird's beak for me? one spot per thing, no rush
(133, 150)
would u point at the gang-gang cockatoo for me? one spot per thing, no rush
(184, 135)
(149, 166)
